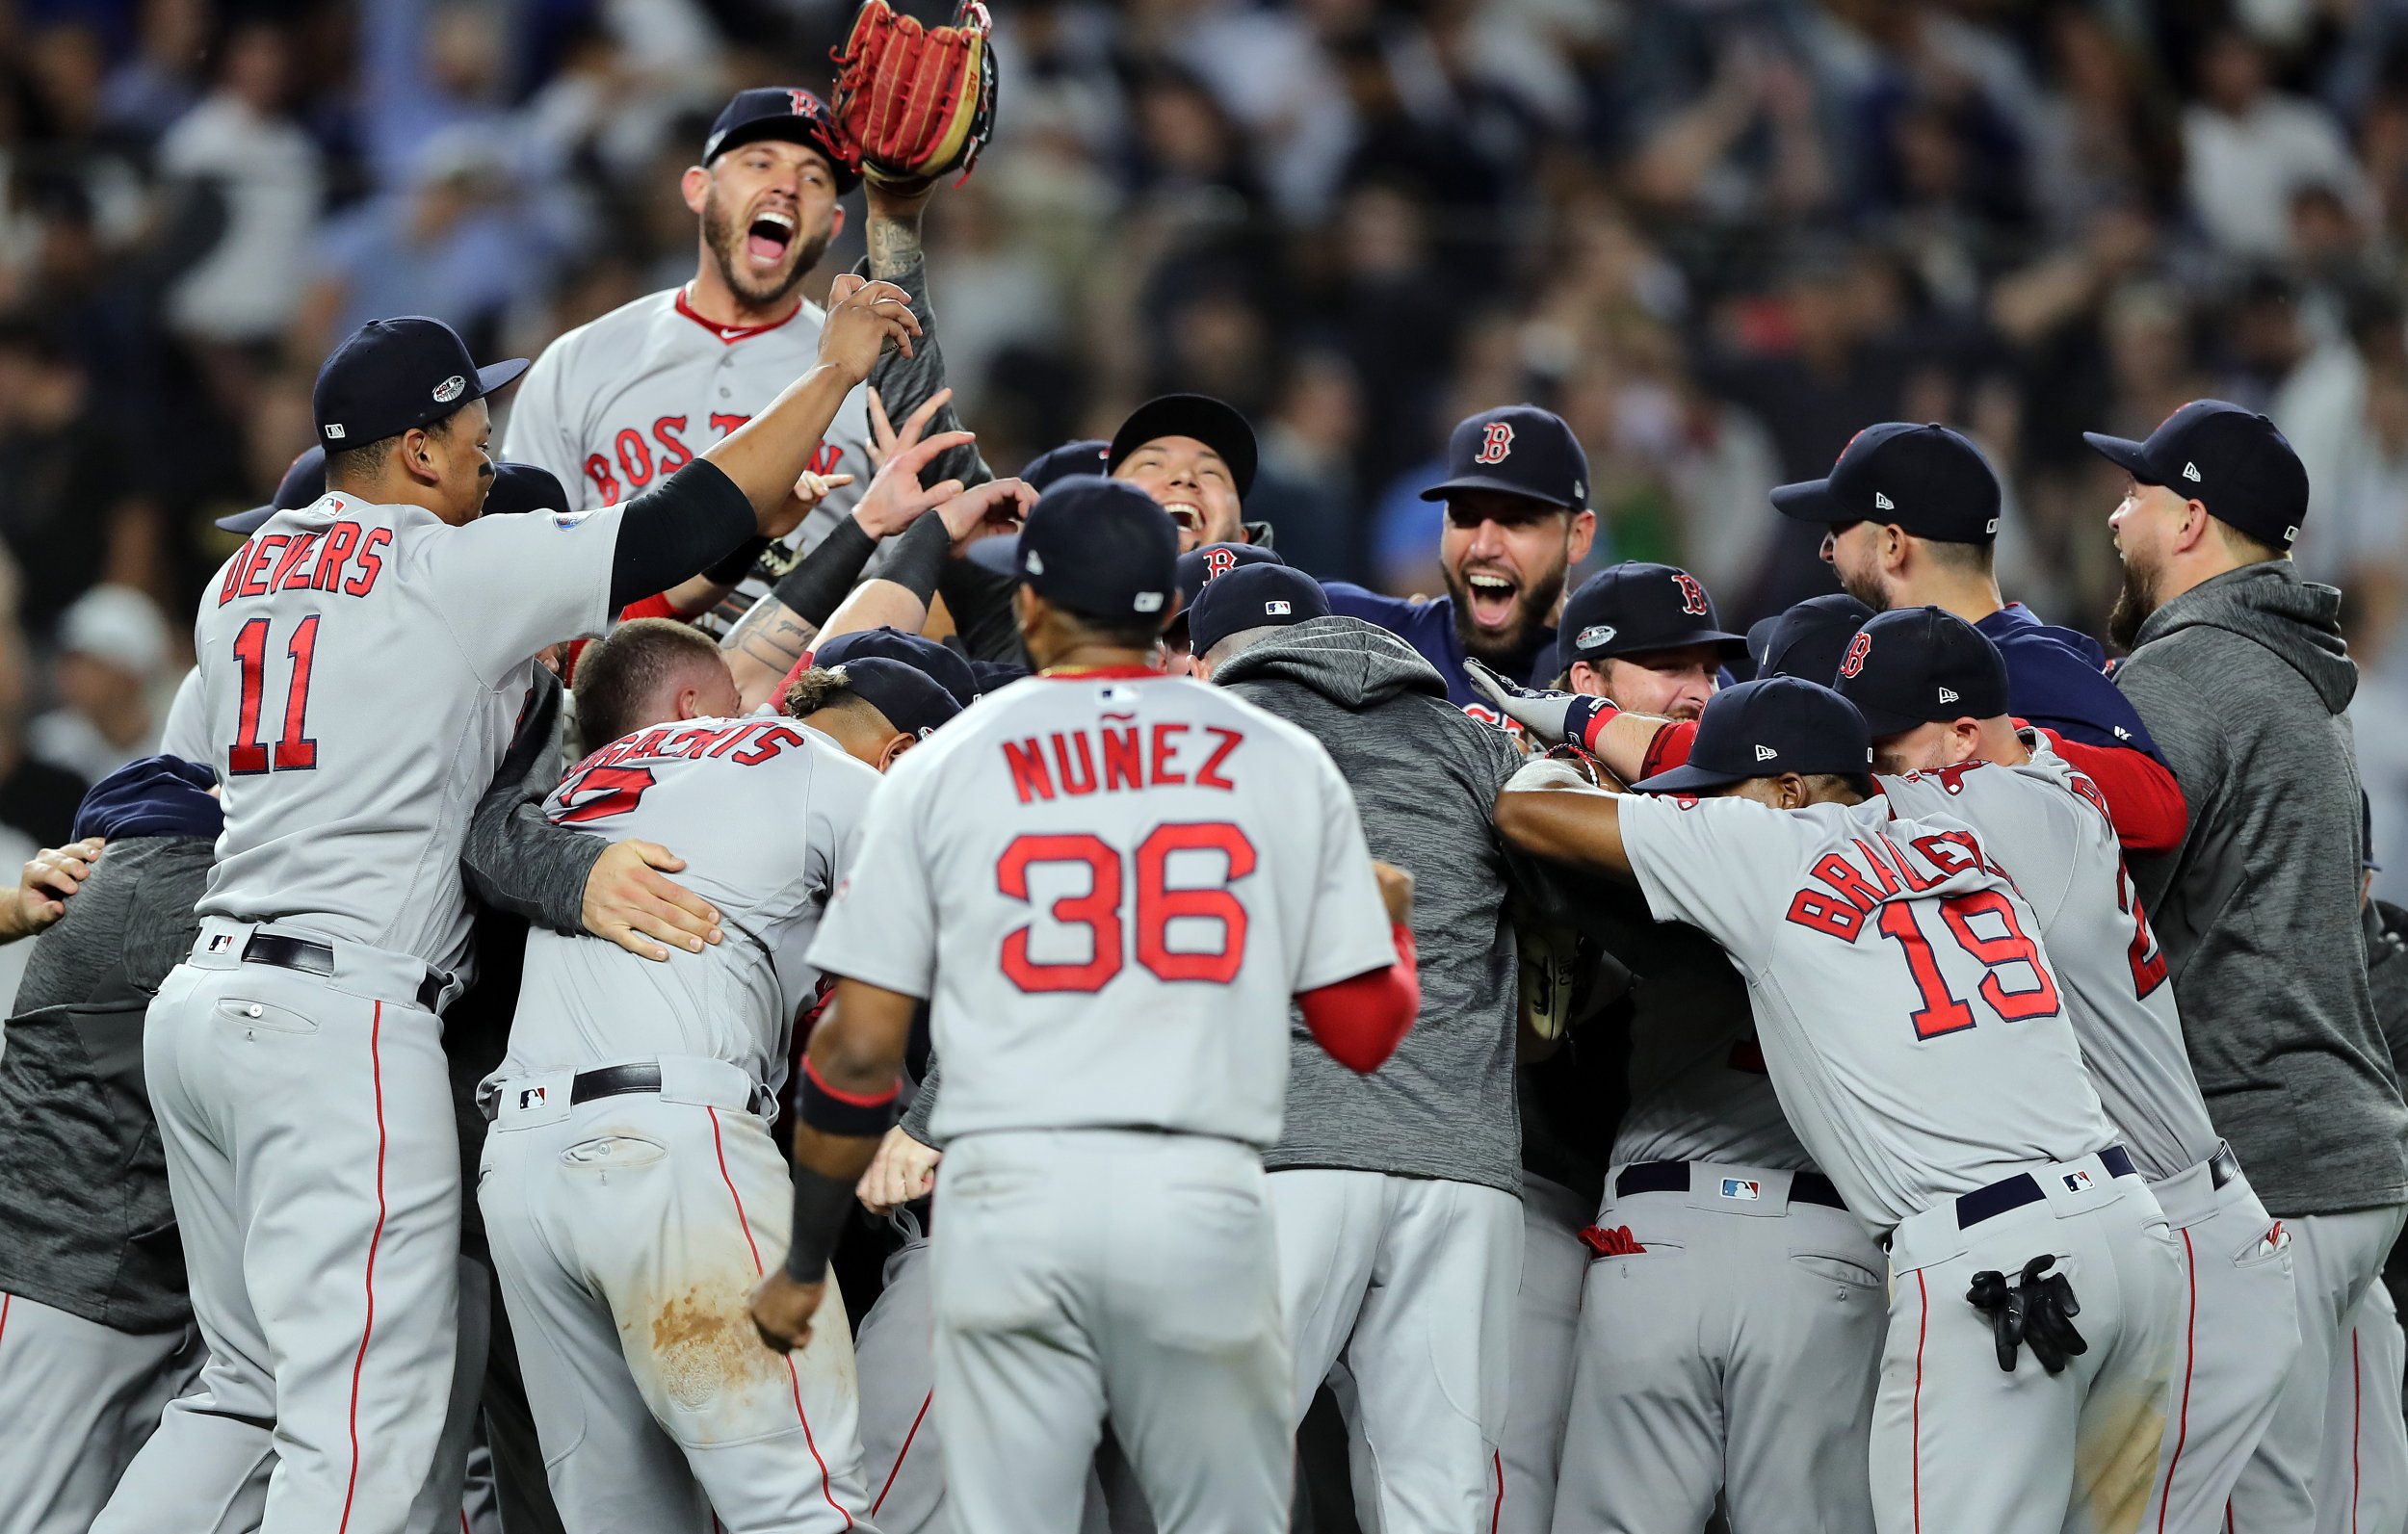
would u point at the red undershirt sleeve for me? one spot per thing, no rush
(1361, 1020)
(2144, 802)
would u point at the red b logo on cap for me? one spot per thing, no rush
(1219, 562)
(1496, 441)
(1692, 595)
(1858, 648)
(802, 103)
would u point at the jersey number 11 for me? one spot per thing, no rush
(295, 751)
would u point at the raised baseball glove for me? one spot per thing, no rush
(918, 100)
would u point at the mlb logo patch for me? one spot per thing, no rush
(532, 1097)
(1745, 1189)
(1277, 610)
(2077, 1181)
(568, 521)
(1596, 634)
(220, 942)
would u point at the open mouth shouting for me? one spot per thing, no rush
(1185, 515)
(1491, 600)
(767, 237)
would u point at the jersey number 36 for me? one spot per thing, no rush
(1099, 909)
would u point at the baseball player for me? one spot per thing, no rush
(362, 664)
(1808, 640)
(1516, 494)
(624, 402)
(1397, 1196)
(1934, 692)
(1911, 515)
(1917, 1034)
(630, 1182)
(1092, 851)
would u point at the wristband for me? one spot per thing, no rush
(833, 1112)
(820, 1204)
(815, 587)
(920, 555)
(738, 565)
(1585, 718)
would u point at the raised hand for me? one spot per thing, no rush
(863, 319)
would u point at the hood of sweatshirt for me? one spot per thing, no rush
(1353, 664)
(2269, 605)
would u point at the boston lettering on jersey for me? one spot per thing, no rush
(1115, 757)
(636, 464)
(307, 560)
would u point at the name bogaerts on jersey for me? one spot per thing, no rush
(309, 561)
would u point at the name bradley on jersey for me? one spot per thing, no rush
(280, 562)
(1859, 890)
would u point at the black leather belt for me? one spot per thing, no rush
(2223, 1167)
(1673, 1177)
(2014, 1192)
(318, 958)
(614, 1080)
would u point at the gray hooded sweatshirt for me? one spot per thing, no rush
(2243, 680)
(1425, 776)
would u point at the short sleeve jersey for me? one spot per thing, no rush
(2048, 825)
(1109, 886)
(1909, 1017)
(624, 402)
(766, 813)
(361, 670)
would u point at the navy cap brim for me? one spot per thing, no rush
(2132, 458)
(1687, 778)
(1881, 723)
(785, 129)
(1810, 501)
(497, 375)
(243, 524)
(1482, 482)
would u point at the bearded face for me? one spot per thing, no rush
(768, 214)
(1505, 558)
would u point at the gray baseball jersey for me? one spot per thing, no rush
(799, 800)
(2048, 824)
(622, 402)
(1130, 875)
(361, 670)
(1910, 1019)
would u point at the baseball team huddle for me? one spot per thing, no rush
(637, 828)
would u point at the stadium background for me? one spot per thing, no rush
(1716, 236)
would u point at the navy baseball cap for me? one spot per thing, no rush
(1257, 596)
(917, 651)
(519, 487)
(795, 117)
(1518, 449)
(301, 485)
(1809, 639)
(911, 702)
(1765, 728)
(2231, 461)
(1912, 666)
(1212, 422)
(1083, 456)
(1633, 608)
(390, 376)
(1212, 560)
(1101, 549)
(1927, 479)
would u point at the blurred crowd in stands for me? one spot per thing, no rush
(1717, 236)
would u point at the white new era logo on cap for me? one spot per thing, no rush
(1765, 753)
(1883, 502)
(1148, 602)
(1947, 694)
(334, 433)
(1277, 610)
(1033, 564)
(2191, 472)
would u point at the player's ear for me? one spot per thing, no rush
(835, 220)
(893, 749)
(1792, 793)
(696, 185)
(1583, 534)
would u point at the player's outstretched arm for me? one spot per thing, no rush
(50, 877)
(850, 1079)
(1547, 810)
(1362, 1018)
(768, 453)
(896, 255)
